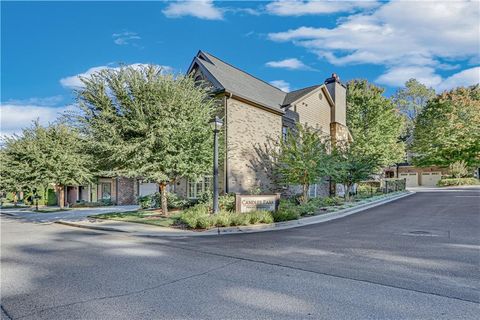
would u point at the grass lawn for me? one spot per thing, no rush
(152, 217)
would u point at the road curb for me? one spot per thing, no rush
(76, 225)
(248, 229)
(309, 220)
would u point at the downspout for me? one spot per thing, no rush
(116, 191)
(226, 182)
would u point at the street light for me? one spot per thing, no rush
(216, 124)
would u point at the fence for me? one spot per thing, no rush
(393, 185)
(373, 187)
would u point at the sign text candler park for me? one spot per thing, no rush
(250, 202)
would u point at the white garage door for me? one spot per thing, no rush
(430, 179)
(147, 188)
(411, 177)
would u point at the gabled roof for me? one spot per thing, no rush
(243, 84)
(297, 94)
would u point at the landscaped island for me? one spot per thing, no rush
(185, 214)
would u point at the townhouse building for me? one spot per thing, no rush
(253, 112)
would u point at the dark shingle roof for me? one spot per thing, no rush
(295, 95)
(247, 86)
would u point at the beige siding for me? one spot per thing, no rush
(314, 112)
(247, 128)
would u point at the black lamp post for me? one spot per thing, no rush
(216, 124)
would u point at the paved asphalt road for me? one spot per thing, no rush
(415, 258)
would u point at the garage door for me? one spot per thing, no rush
(430, 179)
(411, 177)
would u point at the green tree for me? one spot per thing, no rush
(448, 129)
(458, 169)
(42, 156)
(351, 167)
(374, 123)
(302, 158)
(142, 123)
(411, 100)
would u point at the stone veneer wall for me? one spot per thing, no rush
(249, 127)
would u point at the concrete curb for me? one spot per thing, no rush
(77, 225)
(168, 232)
(310, 220)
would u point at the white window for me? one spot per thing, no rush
(312, 191)
(284, 133)
(196, 188)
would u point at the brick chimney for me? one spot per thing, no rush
(339, 95)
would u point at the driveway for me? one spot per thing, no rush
(415, 258)
(69, 215)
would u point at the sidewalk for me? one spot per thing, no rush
(140, 229)
(73, 214)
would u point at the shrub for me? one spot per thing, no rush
(223, 219)
(206, 197)
(332, 201)
(285, 215)
(154, 201)
(264, 216)
(458, 182)
(239, 219)
(197, 217)
(458, 169)
(227, 202)
(175, 201)
(146, 202)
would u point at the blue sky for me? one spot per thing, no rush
(292, 44)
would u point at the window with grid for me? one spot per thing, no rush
(196, 188)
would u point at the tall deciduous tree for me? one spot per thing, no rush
(350, 167)
(302, 158)
(411, 100)
(448, 129)
(43, 156)
(145, 124)
(374, 123)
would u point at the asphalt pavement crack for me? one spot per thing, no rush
(5, 312)
(317, 272)
(196, 275)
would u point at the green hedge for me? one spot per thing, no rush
(458, 182)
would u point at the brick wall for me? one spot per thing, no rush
(126, 191)
(249, 127)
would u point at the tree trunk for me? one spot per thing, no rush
(305, 193)
(163, 197)
(61, 195)
(347, 191)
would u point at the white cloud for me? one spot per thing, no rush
(463, 78)
(300, 7)
(125, 38)
(397, 76)
(44, 101)
(202, 9)
(281, 84)
(291, 64)
(14, 117)
(74, 82)
(414, 36)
